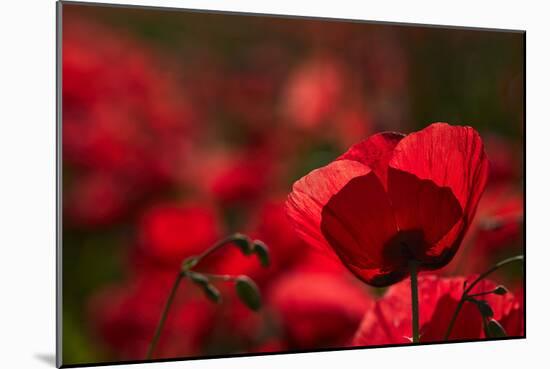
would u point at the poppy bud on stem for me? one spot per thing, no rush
(466, 296)
(250, 296)
(413, 267)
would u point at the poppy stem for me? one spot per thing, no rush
(220, 277)
(186, 271)
(413, 267)
(467, 290)
(163, 316)
(218, 245)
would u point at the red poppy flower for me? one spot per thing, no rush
(313, 92)
(273, 345)
(495, 232)
(272, 226)
(500, 219)
(244, 181)
(171, 232)
(388, 321)
(248, 328)
(318, 310)
(124, 318)
(89, 190)
(505, 157)
(123, 115)
(394, 198)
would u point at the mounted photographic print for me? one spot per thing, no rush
(240, 184)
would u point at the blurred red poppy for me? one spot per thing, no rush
(171, 232)
(124, 116)
(243, 181)
(388, 321)
(495, 233)
(313, 92)
(500, 219)
(392, 199)
(319, 310)
(505, 158)
(124, 318)
(87, 191)
(272, 226)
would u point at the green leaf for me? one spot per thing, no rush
(243, 242)
(261, 250)
(248, 292)
(493, 329)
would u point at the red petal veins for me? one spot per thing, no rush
(311, 193)
(449, 156)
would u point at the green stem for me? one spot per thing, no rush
(472, 285)
(413, 267)
(186, 269)
(482, 293)
(163, 316)
(220, 277)
(217, 246)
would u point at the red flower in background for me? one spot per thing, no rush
(170, 232)
(394, 198)
(496, 231)
(313, 92)
(319, 310)
(272, 226)
(388, 321)
(500, 219)
(123, 116)
(243, 182)
(95, 199)
(124, 317)
(505, 158)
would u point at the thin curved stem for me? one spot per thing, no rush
(482, 293)
(472, 285)
(217, 246)
(491, 270)
(220, 277)
(413, 267)
(163, 316)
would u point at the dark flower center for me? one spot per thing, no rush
(405, 245)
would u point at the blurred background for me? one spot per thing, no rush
(180, 128)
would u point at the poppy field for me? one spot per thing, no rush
(236, 184)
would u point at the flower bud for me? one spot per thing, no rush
(248, 292)
(500, 290)
(243, 242)
(261, 250)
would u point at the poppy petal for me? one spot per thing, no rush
(358, 222)
(375, 152)
(424, 212)
(312, 192)
(389, 320)
(449, 156)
